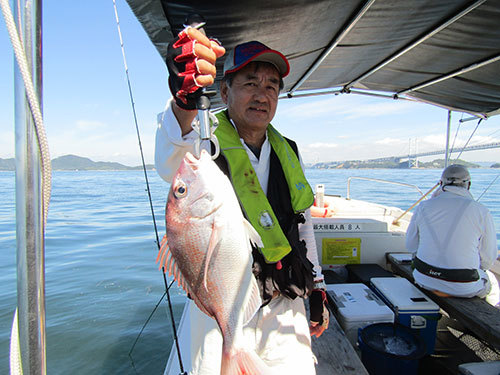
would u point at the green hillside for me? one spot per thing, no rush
(76, 163)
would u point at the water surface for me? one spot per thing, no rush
(102, 282)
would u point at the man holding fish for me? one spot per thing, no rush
(273, 194)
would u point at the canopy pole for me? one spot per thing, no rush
(29, 212)
(447, 151)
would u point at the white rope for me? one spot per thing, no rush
(33, 102)
(16, 367)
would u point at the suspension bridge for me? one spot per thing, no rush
(412, 158)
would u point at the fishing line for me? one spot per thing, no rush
(496, 131)
(496, 178)
(146, 323)
(142, 329)
(167, 287)
(466, 143)
(488, 187)
(456, 134)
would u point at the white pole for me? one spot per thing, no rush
(29, 212)
(446, 156)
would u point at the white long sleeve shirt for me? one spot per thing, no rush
(452, 230)
(171, 147)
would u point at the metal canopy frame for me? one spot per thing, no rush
(443, 53)
(414, 44)
(331, 46)
(463, 70)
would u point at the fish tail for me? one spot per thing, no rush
(243, 362)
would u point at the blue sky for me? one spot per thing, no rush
(87, 110)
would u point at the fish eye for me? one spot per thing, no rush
(180, 190)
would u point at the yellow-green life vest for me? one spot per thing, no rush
(250, 194)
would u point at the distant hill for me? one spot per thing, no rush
(7, 164)
(76, 163)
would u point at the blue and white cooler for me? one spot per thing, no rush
(411, 307)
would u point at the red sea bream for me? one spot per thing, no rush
(207, 249)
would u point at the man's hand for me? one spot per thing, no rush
(319, 315)
(191, 65)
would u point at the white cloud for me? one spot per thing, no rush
(85, 125)
(100, 142)
(322, 145)
(391, 141)
(378, 109)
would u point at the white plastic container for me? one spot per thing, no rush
(320, 195)
(357, 306)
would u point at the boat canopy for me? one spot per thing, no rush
(444, 52)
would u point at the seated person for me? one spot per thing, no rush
(454, 241)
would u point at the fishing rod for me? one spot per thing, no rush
(396, 221)
(167, 287)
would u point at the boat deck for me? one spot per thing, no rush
(335, 354)
(455, 344)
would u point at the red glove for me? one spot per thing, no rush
(191, 65)
(319, 315)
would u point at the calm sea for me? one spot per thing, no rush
(102, 282)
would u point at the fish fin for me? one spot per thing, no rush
(252, 233)
(212, 244)
(164, 249)
(243, 362)
(181, 281)
(167, 263)
(254, 301)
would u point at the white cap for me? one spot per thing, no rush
(455, 174)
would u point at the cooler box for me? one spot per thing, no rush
(480, 368)
(412, 308)
(357, 306)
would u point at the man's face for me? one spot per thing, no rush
(252, 97)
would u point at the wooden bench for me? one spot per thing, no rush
(481, 318)
(335, 353)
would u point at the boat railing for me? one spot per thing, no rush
(348, 196)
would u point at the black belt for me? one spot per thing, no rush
(461, 275)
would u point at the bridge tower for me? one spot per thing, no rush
(412, 157)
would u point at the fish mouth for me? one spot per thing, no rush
(193, 162)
